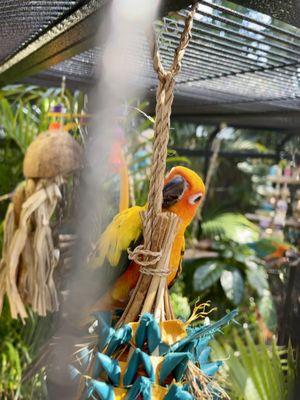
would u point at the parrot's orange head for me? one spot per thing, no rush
(183, 192)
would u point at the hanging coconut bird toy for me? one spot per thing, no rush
(148, 354)
(29, 257)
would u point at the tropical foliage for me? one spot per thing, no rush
(23, 114)
(234, 276)
(254, 370)
(232, 272)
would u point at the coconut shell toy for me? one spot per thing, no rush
(147, 353)
(29, 257)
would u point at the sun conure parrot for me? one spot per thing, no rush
(270, 248)
(182, 194)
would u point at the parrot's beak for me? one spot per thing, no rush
(173, 191)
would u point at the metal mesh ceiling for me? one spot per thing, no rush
(239, 61)
(24, 20)
(236, 56)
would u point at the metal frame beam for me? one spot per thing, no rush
(75, 34)
(228, 154)
(282, 120)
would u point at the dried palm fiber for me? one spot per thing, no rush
(29, 257)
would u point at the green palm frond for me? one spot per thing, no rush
(231, 226)
(255, 370)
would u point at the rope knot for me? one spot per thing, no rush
(139, 254)
(154, 271)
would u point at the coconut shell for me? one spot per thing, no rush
(51, 154)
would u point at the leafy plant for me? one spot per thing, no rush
(232, 267)
(18, 343)
(231, 226)
(23, 114)
(233, 273)
(255, 370)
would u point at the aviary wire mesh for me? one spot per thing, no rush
(21, 21)
(238, 59)
(236, 56)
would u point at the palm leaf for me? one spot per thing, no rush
(255, 370)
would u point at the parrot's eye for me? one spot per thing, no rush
(195, 198)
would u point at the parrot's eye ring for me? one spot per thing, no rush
(195, 198)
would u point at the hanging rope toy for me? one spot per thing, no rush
(149, 354)
(159, 228)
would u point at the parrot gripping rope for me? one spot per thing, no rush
(159, 229)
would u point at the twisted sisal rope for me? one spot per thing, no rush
(164, 100)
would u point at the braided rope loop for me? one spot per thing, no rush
(164, 100)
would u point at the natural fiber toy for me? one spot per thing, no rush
(29, 257)
(150, 360)
(148, 354)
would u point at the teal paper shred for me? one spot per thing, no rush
(163, 348)
(174, 363)
(105, 331)
(141, 387)
(97, 369)
(146, 362)
(204, 355)
(138, 358)
(179, 371)
(153, 335)
(210, 369)
(194, 347)
(74, 373)
(177, 393)
(140, 335)
(120, 337)
(148, 330)
(201, 344)
(206, 330)
(189, 347)
(111, 367)
(102, 389)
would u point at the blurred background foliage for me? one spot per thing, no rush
(254, 369)
(23, 114)
(220, 264)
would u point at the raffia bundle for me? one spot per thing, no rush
(29, 257)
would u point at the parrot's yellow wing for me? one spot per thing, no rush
(124, 231)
